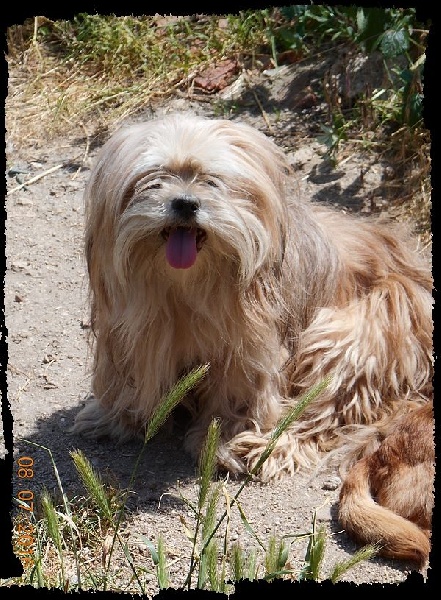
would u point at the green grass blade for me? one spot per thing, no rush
(251, 565)
(314, 553)
(52, 524)
(202, 571)
(37, 572)
(172, 399)
(276, 557)
(151, 547)
(365, 553)
(209, 520)
(212, 565)
(129, 558)
(238, 562)
(93, 484)
(162, 569)
(317, 553)
(207, 462)
(248, 526)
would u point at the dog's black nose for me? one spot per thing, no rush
(185, 206)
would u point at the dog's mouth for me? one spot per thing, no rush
(182, 245)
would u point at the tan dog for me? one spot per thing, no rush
(197, 252)
(388, 497)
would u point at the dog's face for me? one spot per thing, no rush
(185, 195)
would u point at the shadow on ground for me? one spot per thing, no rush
(162, 465)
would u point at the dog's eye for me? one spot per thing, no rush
(155, 185)
(212, 183)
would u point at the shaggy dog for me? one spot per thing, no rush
(198, 253)
(388, 497)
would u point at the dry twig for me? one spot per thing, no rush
(34, 179)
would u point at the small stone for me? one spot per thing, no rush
(324, 514)
(19, 265)
(331, 484)
(23, 201)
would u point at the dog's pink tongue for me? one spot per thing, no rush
(181, 249)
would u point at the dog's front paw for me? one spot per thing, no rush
(93, 421)
(248, 448)
(285, 459)
(89, 421)
(230, 461)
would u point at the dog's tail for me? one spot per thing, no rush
(370, 523)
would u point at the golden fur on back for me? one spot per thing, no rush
(281, 293)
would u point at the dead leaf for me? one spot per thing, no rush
(217, 77)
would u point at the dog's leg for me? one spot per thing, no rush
(245, 399)
(111, 408)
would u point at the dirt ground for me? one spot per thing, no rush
(47, 317)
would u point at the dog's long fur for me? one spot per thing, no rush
(282, 293)
(388, 496)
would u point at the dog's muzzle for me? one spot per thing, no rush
(185, 239)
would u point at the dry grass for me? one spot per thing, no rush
(410, 184)
(57, 83)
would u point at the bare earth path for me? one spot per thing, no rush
(46, 317)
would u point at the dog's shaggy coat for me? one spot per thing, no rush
(198, 253)
(388, 496)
